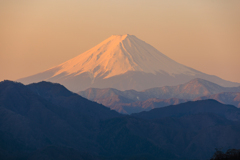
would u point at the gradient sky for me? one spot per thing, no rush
(38, 34)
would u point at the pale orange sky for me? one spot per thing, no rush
(38, 34)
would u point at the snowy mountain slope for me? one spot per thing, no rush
(122, 62)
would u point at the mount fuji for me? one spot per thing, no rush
(123, 62)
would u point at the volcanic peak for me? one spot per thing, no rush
(123, 62)
(119, 54)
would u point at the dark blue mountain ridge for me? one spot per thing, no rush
(46, 121)
(229, 112)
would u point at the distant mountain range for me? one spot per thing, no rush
(46, 121)
(123, 62)
(131, 101)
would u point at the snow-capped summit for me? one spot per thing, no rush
(119, 54)
(122, 62)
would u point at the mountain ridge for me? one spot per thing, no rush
(46, 121)
(131, 101)
(232, 98)
(190, 88)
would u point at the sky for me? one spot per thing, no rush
(36, 35)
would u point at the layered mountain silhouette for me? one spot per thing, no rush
(194, 107)
(46, 121)
(139, 106)
(232, 98)
(131, 101)
(123, 62)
